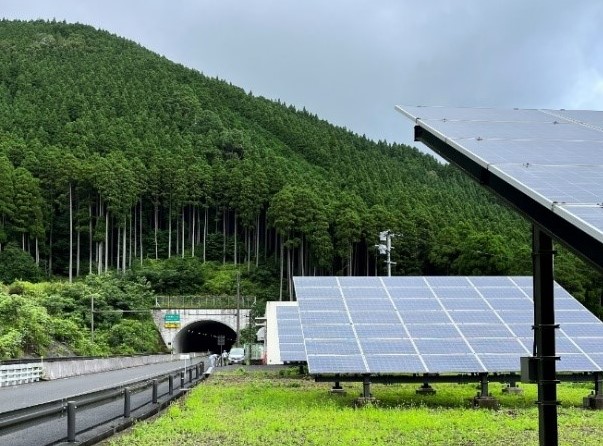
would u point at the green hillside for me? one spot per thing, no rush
(111, 154)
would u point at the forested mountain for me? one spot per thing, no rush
(111, 154)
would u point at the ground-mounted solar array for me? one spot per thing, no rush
(553, 156)
(290, 339)
(408, 325)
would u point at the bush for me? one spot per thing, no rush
(16, 264)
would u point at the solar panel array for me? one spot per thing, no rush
(554, 156)
(404, 325)
(290, 339)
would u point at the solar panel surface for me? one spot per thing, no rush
(290, 338)
(401, 325)
(553, 156)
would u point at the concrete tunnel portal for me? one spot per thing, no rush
(204, 336)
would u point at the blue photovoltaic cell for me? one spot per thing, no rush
(312, 281)
(564, 345)
(289, 331)
(335, 364)
(441, 331)
(516, 317)
(360, 282)
(322, 305)
(568, 304)
(395, 364)
(591, 345)
(522, 330)
(411, 293)
(391, 347)
(503, 293)
(447, 281)
(485, 331)
(403, 282)
(332, 347)
(288, 339)
(441, 346)
(425, 317)
(324, 317)
(590, 330)
(502, 304)
(456, 293)
(288, 312)
(575, 363)
(378, 331)
(435, 325)
(564, 317)
(498, 345)
(500, 362)
(453, 363)
(327, 332)
(374, 317)
(465, 304)
(317, 293)
(293, 356)
(404, 305)
(474, 317)
(365, 293)
(372, 305)
(491, 281)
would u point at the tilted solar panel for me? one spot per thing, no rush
(457, 325)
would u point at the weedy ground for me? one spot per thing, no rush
(243, 407)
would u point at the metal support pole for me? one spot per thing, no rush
(71, 421)
(127, 403)
(544, 336)
(182, 379)
(171, 384)
(598, 383)
(483, 385)
(154, 394)
(190, 375)
(366, 387)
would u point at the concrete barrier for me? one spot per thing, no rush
(74, 367)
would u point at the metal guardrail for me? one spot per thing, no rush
(19, 419)
(14, 374)
(208, 302)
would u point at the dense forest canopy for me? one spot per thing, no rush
(111, 154)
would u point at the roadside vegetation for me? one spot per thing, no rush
(54, 318)
(270, 409)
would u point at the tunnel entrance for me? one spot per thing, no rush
(203, 336)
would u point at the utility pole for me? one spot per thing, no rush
(238, 306)
(386, 236)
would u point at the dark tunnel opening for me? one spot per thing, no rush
(204, 336)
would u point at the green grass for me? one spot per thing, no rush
(268, 409)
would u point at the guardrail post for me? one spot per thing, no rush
(155, 385)
(202, 366)
(127, 402)
(182, 379)
(71, 421)
(171, 384)
(190, 375)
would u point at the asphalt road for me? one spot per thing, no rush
(25, 395)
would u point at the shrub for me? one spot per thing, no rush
(16, 264)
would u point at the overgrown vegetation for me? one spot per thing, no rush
(244, 408)
(110, 154)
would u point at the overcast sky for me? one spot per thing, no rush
(351, 61)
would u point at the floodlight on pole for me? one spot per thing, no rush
(385, 249)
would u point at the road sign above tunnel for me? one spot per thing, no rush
(171, 320)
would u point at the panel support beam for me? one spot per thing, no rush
(544, 336)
